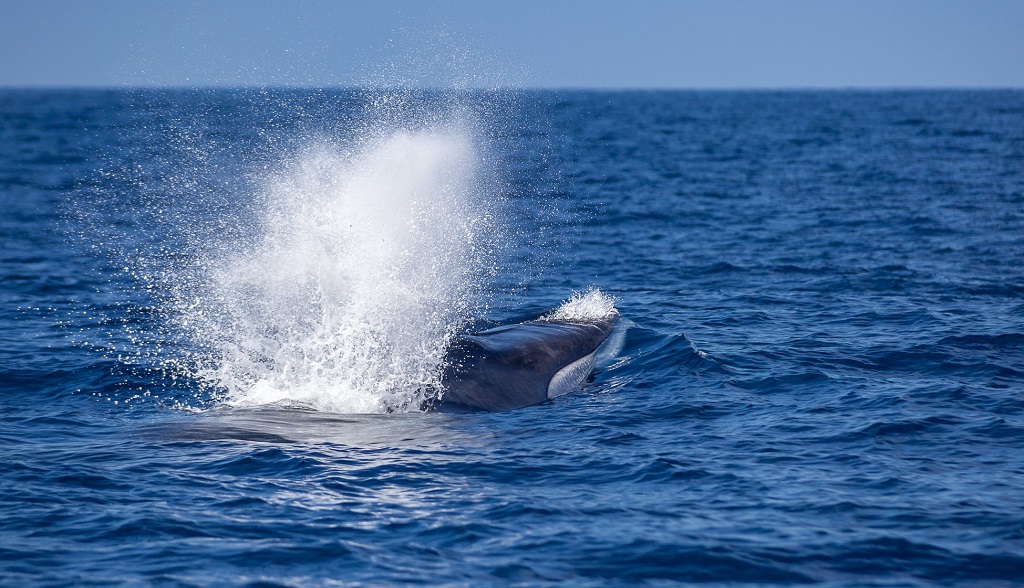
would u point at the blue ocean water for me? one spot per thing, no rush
(213, 330)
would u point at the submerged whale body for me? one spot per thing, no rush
(519, 365)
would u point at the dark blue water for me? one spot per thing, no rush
(824, 382)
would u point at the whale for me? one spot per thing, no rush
(519, 365)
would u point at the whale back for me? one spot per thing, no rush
(519, 365)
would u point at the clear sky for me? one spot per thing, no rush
(549, 43)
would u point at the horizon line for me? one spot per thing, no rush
(510, 88)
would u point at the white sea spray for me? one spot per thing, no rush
(365, 263)
(588, 306)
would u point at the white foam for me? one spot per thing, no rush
(591, 305)
(365, 263)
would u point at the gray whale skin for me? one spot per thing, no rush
(519, 365)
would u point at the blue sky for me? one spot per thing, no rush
(553, 43)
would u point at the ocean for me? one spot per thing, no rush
(221, 309)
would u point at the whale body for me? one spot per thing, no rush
(519, 365)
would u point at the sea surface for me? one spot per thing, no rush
(220, 311)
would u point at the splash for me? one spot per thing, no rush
(367, 260)
(589, 306)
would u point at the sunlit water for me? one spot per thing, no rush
(221, 310)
